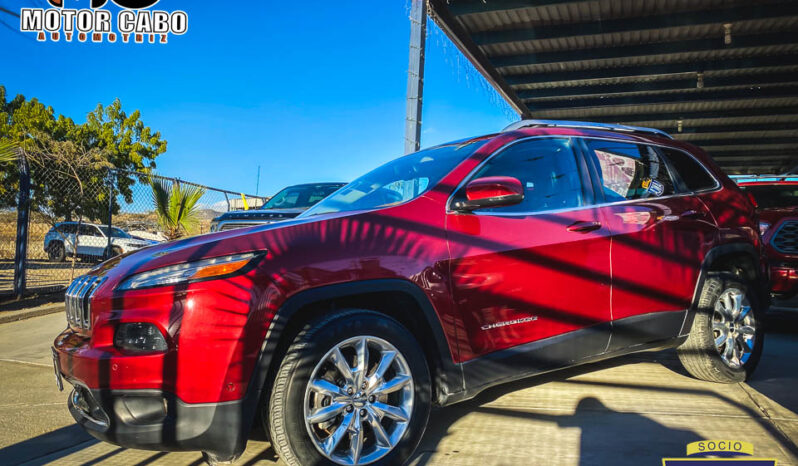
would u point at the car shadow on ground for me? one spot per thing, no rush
(608, 436)
(64, 440)
(600, 426)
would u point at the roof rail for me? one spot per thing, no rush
(585, 125)
(764, 177)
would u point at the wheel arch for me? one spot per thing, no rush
(386, 296)
(740, 258)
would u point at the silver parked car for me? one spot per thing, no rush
(90, 240)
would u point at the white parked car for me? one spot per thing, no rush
(91, 241)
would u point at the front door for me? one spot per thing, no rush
(534, 270)
(91, 241)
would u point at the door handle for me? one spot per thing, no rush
(583, 227)
(692, 214)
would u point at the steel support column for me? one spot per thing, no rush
(415, 75)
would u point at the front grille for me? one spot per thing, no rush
(78, 300)
(233, 226)
(786, 238)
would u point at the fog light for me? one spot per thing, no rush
(139, 337)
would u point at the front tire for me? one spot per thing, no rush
(353, 388)
(56, 252)
(726, 339)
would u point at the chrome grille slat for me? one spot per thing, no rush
(71, 303)
(786, 238)
(87, 308)
(78, 300)
(75, 303)
(68, 300)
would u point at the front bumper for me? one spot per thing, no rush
(156, 420)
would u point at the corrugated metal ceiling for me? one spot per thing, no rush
(721, 74)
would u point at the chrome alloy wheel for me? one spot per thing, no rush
(734, 327)
(359, 400)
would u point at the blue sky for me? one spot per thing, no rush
(310, 91)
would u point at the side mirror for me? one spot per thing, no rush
(491, 191)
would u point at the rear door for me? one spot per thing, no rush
(91, 241)
(534, 270)
(661, 233)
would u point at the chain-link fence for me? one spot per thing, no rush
(56, 223)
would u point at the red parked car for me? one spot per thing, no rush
(777, 206)
(421, 283)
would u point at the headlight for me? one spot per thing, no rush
(214, 225)
(207, 269)
(763, 227)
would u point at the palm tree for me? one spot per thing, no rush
(8, 152)
(176, 206)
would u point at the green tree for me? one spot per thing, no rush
(176, 206)
(69, 161)
(8, 152)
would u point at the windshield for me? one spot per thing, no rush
(297, 197)
(116, 232)
(397, 181)
(769, 197)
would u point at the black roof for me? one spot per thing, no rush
(720, 74)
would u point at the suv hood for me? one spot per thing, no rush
(205, 246)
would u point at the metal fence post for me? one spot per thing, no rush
(23, 218)
(108, 249)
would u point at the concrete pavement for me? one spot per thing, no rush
(634, 410)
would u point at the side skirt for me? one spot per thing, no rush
(648, 332)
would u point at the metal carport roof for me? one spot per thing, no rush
(720, 74)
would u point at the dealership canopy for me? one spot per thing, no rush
(720, 74)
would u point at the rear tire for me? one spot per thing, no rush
(56, 252)
(726, 339)
(297, 434)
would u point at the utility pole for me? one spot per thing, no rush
(415, 75)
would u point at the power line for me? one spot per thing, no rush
(12, 13)
(3, 23)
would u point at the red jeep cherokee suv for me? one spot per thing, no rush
(777, 208)
(421, 283)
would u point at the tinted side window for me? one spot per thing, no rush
(320, 193)
(548, 171)
(67, 229)
(89, 230)
(692, 173)
(629, 171)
